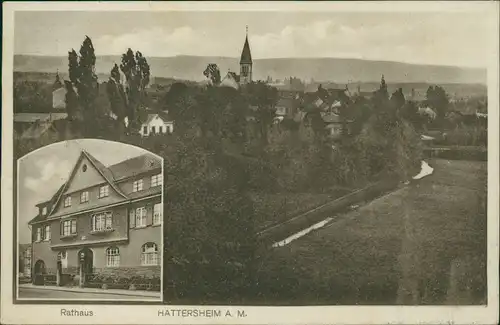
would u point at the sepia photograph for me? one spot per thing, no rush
(88, 227)
(217, 161)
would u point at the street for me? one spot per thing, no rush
(37, 293)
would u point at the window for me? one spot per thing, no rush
(138, 185)
(46, 235)
(68, 227)
(84, 197)
(63, 257)
(156, 180)
(160, 129)
(140, 217)
(102, 221)
(38, 234)
(153, 129)
(104, 191)
(84, 168)
(112, 257)
(157, 214)
(145, 129)
(44, 211)
(67, 201)
(149, 254)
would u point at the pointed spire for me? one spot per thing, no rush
(246, 55)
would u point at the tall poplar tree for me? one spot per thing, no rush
(82, 88)
(136, 69)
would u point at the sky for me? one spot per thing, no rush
(43, 171)
(425, 38)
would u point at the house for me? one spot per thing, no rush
(286, 107)
(427, 111)
(23, 121)
(25, 259)
(42, 132)
(231, 80)
(157, 123)
(102, 220)
(335, 126)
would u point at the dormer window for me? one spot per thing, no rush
(84, 197)
(44, 210)
(67, 201)
(156, 180)
(104, 191)
(137, 185)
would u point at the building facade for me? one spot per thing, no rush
(156, 124)
(25, 260)
(103, 220)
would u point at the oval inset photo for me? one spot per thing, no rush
(90, 220)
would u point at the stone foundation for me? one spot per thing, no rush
(127, 272)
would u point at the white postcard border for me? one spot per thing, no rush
(128, 314)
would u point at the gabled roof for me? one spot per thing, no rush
(112, 174)
(31, 117)
(162, 115)
(52, 200)
(108, 176)
(246, 56)
(105, 172)
(134, 166)
(233, 76)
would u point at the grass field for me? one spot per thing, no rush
(272, 208)
(423, 244)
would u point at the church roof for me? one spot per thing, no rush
(246, 56)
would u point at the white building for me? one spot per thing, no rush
(157, 124)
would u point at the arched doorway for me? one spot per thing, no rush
(40, 267)
(86, 256)
(39, 271)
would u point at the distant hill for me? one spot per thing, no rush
(332, 69)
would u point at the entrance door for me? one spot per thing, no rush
(40, 267)
(88, 260)
(39, 271)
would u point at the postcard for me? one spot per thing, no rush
(250, 163)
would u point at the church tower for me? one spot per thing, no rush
(246, 63)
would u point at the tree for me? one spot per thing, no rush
(437, 99)
(398, 100)
(137, 73)
(263, 98)
(212, 72)
(32, 97)
(83, 88)
(117, 97)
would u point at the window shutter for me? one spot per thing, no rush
(132, 217)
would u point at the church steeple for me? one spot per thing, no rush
(246, 62)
